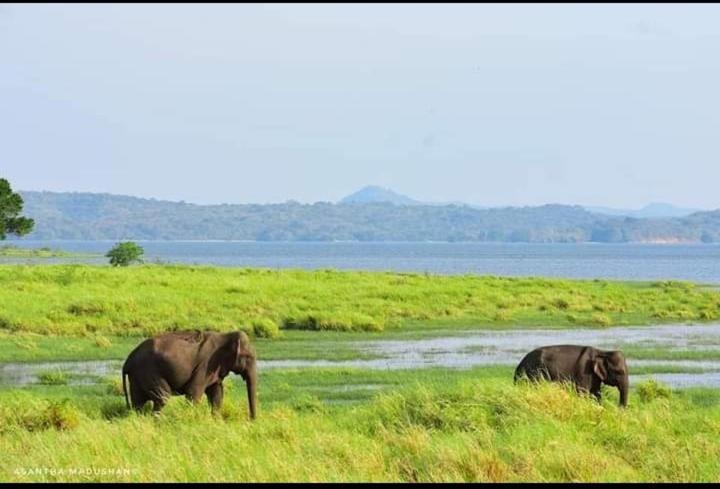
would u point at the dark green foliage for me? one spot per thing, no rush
(11, 205)
(125, 253)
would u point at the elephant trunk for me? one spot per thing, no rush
(624, 387)
(251, 382)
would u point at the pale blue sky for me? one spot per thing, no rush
(590, 104)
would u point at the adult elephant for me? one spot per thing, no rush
(190, 363)
(585, 366)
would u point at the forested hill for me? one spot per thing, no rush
(61, 215)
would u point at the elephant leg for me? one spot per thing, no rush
(138, 396)
(582, 389)
(159, 395)
(158, 403)
(596, 389)
(194, 393)
(215, 394)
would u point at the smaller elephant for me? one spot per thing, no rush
(585, 366)
(189, 363)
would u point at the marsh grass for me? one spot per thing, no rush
(53, 377)
(147, 299)
(477, 430)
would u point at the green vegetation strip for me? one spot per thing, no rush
(142, 300)
(11, 251)
(477, 426)
(17, 252)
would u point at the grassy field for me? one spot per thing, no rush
(343, 424)
(426, 426)
(142, 300)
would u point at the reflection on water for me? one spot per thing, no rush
(27, 373)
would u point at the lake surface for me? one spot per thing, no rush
(698, 263)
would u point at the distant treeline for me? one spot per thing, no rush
(88, 216)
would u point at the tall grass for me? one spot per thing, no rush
(84, 299)
(463, 431)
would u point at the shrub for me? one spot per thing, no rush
(53, 378)
(601, 319)
(87, 308)
(125, 253)
(651, 390)
(308, 402)
(349, 321)
(31, 415)
(114, 386)
(5, 323)
(265, 328)
(102, 342)
(61, 416)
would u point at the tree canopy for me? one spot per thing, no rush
(125, 253)
(11, 205)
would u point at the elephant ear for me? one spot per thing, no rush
(239, 346)
(244, 347)
(599, 368)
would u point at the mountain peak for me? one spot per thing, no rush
(374, 193)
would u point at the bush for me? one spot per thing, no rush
(651, 390)
(265, 328)
(87, 308)
(344, 321)
(125, 253)
(309, 403)
(102, 342)
(53, 378)
(114, 386)
(600, 319)
(31, 415)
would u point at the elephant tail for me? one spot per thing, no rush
(516, 377)
(127, 399)
(519, 372)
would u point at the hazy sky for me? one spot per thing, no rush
(591, 104)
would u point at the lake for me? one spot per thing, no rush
(698, 263)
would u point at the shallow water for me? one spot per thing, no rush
(465, 350)
(20, 374)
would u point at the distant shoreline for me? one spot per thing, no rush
(667, 241)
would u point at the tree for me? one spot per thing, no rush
(11, 204)
(125, 253)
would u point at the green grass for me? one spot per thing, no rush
(641, 353)
(279, 386)
(426, 427)
(293, 345)
(143, 300)
(53, 378)
(33, 347)
(666, 369)
(344, 424)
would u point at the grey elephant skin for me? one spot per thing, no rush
(189, 363)
(585, 366)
